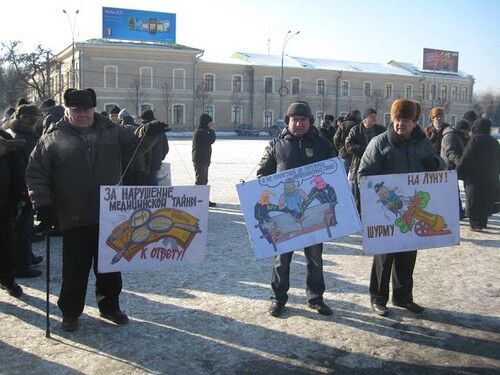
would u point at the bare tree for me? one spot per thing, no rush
(486, 103)
(136, 94)
(167, 98)
(29, 69)
(376, 99)
(203, 97)
(236, 108)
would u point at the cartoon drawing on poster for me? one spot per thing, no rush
(151, 227)
(297, 208)
(415, 211)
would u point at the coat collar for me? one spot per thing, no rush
(416, 135)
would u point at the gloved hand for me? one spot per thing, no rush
(430, 164)
(156, 127)
(47, 216)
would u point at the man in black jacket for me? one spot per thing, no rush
(298, 144)
(203, 138)
(353, 119)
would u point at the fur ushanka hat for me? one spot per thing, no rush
(407, 109)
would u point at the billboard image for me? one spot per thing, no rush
(439, 60)
(140, 25)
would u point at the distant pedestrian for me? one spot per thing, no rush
(203, 138)
(352, 119)
(157, 153)
(435, 129)
(113, 114)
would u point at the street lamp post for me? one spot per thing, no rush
(72, 27)
(283, 90)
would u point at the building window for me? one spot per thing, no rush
(344, 88)
(210, 110)
(454, 93)
(146, 77)
(236, 114)
(268, 119)
(432, 91)
(367, 89)
(179, 79)
(422, 92)
(465, 94)
(237, 84)
(444, 92)
(268, 85)
(295, 86)
(178, 114)
(453, 120)
(209, 82)
(408, 91)
(110, 76)
(388, 90)
(387, 119)
(320, 87)
(145, 107)
(320, 116)
(109, 106)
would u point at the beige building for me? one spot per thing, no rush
(178, 84)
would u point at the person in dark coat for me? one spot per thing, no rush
(470, 117)
(54, 114)
(22, 127)
(327, 128)
(479, 167)
(352, 119)
(13, 188)
(355, 145)
(79, 154)
(297, 145)
(435, 129)
(203, 138)
(403, 148)
(157, 153)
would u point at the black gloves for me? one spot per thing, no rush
(155, 128)
(430, 164)
(47, 216)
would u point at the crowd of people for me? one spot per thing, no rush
(67, 151)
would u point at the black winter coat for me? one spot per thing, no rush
(203, 138)
(355, 145)
(19, 129)
(340, 137)
(287, 151)
(479, 167)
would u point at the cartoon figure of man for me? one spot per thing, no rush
(292, 199)
(324, 193)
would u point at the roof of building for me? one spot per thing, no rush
(420, 72)
(133, 43)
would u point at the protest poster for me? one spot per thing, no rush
(299, 207)
(164, 175)
(150, 227)
(405, 212)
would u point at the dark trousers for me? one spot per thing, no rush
(201, 172)
(401, 266)
(478, 222)
(315, 283)
(23, 231)
(79, 251)
(6, 260)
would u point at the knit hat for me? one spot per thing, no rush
(115, 110)
(49, 103)
(405, 109)
(123, 113)
(205, 119)
(299, 109)
(481, 126)
(148, 115)
(470, 116)
(355, 116)
(436, 111)
(26, 109)
(462, 125)
(368, 112)
(80, 98)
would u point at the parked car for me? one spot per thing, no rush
(246, 129)
(276, 128)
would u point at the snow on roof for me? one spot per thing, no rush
(134, 43)
(419, 72)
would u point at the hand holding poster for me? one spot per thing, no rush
(147, 227)
(297, 208)
(405, 212)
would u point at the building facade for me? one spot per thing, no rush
(178, 84)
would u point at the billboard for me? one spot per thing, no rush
(439, 60)
(141, 25)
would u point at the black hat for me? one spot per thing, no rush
(462, 125)
(49, 103)
(355, 116)
(22, 101)
(205, 119)
(368, 112)
(115, 110)
(80, 98)
(148, 115)
(470, 116)
(481, 126)
(27, 109)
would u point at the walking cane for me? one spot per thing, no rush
(47, 280)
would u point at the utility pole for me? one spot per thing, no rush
(72, 27)
(283, 90)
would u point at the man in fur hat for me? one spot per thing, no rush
(68, 165)
(402, 148)
(435, 129)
